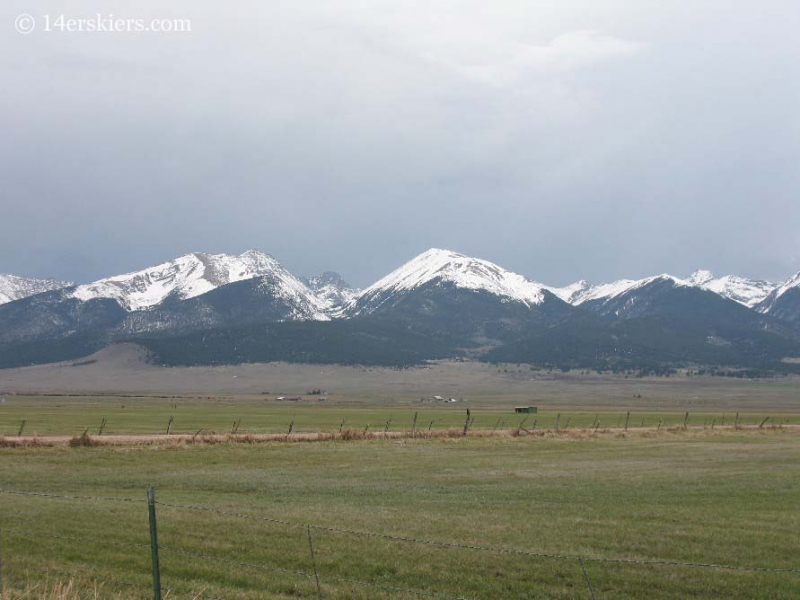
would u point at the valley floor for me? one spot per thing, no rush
(414, 518)
(121, 370)
(575, 506)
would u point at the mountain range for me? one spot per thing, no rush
(217, 308)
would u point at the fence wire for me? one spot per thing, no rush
(480, 548)
(66, 497)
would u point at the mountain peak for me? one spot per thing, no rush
(792, 282)
(332, 289)
(328, 278)
(187, 276)
(700, 277)
(445, 266)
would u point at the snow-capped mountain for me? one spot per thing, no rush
(744, 291)
(332, 289)
(192, 292)
(196, 274)
(675, 302)
(211, 308)
(440, 267)
(748, 292)
(784, 301)
(13, 287)
(458, 300)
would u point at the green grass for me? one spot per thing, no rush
(726, 497)
(150, 415)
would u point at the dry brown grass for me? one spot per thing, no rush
(70, 590)
(58, 590)
(27, 442)
(84, 440)
(350, 435)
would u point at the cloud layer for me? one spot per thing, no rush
(582, 140)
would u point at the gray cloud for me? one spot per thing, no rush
(588, 140)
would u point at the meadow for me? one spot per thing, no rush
(588, 510)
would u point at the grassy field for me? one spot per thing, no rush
(708, 494)
(726, 497)
(44, 416)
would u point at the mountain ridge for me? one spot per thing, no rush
(17, 287)
(439, 304)
(196, 273)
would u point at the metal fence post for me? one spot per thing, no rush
(151, 506)
(2, 587)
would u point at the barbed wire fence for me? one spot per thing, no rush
(313, 576)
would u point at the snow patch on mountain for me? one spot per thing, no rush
(748, 292)
(572, 292)
(332, 290)
(609, 291)
(14, 287)
(198, 273)
(445, 266)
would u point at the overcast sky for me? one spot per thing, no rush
(562, 140)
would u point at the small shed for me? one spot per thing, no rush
(525, 409)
